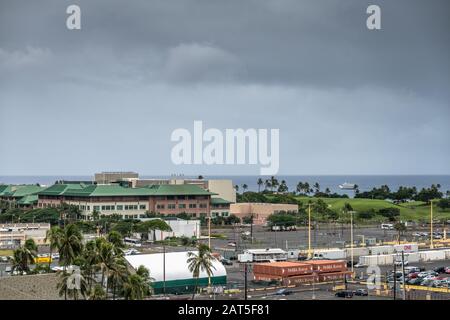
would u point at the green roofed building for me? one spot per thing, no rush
(20, 195)
(129, 202)
(220, 207)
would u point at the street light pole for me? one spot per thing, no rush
(403, 276)
(309, 231)
(351, 238)
(431, 221)
(245, 280)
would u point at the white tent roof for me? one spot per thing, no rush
(176, 266)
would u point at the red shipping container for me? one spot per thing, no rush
(283, 269)
(333, 276)
(322, 266)
(298, 280)
(265, 277)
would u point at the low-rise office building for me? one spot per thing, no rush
(13, 235)
(129, 202)
(261, 211)
(220, 207)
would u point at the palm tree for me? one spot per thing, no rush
(244, 187)
(134, 288)
(236, 187)
(91, 255)
(306, 187)
(400, 227)
(145, 274)
(106, 260)
(71, 245)
(201, 261)
(267, 184)
(97, 293)
(260, 182)
(115, 238)
(317, 187)
(300, 187)
(53, 237)
(117, 274)
(72, 284)
(24, 256)
(273, 182)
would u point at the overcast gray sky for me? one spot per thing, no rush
(107, 97)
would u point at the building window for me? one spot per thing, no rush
(224, 214)
(119, 207)
(181, 206)
(171, 206)
(203, 205)
(142, 207)
(160, 206)
(96, 208)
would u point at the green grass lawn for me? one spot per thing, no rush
(408, 211)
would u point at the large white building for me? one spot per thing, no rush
(180, 228)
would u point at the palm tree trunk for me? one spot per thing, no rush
(50, 260)
(195, 288)
(114, 290)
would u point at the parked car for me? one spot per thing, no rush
(226, 262)
(439, 269)
(361, 292)
(283, 292)
(232, 244)
(399, 263)
(424, 274)
(413, 275)
(4, 259)
(344, 294)
(55, 256)
(447, 270)
(8, 269)
(415, 281)
(412, 269)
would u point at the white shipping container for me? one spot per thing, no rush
(447, 254)
(381, 250)
(412, 257)
(407, 247)
(380, 260)
(330, 254)
(432, 255)
(361, 251)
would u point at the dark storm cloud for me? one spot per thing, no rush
(310, 68)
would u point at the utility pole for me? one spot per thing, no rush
(403, 275)
(209, 244)
(309, 231)
(395, 281)
(245, 280)
(351, 239)
(431, 221)
(251, 228)
(164, 269)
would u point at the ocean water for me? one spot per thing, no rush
(365, 182)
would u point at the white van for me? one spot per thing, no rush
(387, 226)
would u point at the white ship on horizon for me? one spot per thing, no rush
(347, 186)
